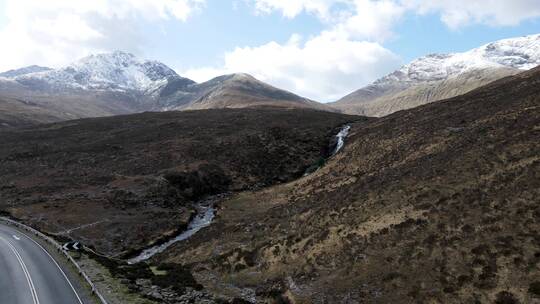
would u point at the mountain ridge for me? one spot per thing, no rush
(506, 57)
(118, 70)
(23, 71)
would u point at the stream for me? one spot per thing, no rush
(206, 213)
(341, 139)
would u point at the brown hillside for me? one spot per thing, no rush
(437, 204)
(121, 183)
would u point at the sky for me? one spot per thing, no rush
(320, 49)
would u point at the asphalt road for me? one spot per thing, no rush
(29, 275)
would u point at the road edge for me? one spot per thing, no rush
(56, 245)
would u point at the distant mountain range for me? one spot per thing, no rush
(120, 83)
(439, 76)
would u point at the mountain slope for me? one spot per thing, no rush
(401, 97)
(140, 175)
(440, 76)
(18, 113)
(436, 204)
(24, 106)
(242, 91)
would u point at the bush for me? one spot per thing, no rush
(534, 288)
(178, 277)
(194, 185)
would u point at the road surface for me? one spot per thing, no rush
(29, 275)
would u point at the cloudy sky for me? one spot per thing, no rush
(322, 49)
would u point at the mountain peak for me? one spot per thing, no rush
(242, 76)
(522, 52)
(519, 53)
(114, 58)
(233, 78)
(516, 53)
(118, 70)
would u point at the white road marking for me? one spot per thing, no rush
(33, 291)
(54, 261)
(16, 237)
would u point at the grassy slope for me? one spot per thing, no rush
(16, 113)
(435, 204)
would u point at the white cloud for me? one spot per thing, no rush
(372, 20)
(292, 8)
(54, 32)
(454, 13)
(337, 61)
(459, 13)
(349, 54)
(322, 68)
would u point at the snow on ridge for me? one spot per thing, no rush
(520, 53)
(111, 71)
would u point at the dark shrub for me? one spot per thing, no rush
(505, 297)
(194, 185)
(534, 288)
(178, 277)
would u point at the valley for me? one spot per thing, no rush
(141, 174)
(434, 202)
(421, 187)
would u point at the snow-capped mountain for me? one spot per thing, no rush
(510, 55)
(163, 88)
(116, 71)
(120, 83)
(520, 53)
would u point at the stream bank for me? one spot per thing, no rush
(206, 212)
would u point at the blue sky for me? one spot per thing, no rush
(421, 35)
(322, 49)
(222, 26)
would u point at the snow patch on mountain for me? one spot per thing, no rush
(24, 71)
(520, 53)
(113, 71)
